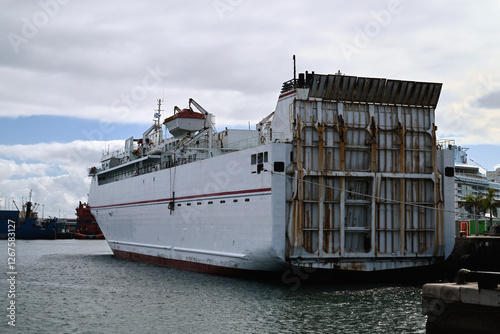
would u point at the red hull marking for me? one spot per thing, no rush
(240, 192)
(191, 266)
(287, 94)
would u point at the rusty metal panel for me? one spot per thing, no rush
(434, 95)
(415, 94)
(343, 88)
(420, 216)
(332, 219)
(366, 182)
(360, 93)
(388, 217)
(377, 89)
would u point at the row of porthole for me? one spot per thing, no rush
(211, 202)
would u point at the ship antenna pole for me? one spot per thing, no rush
(294, 73)
(158, 113)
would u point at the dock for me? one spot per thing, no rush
(480, 253)
(471, 305)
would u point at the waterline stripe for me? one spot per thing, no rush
(181, 249)
(206, 252)
(139, 244)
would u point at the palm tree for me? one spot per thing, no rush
(474, 202)
(490, 204)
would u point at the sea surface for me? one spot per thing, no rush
(77, 286)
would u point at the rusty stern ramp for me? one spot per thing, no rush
(370, 189)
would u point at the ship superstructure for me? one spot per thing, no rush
(345, 173)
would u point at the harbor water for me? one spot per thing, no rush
(77, 286)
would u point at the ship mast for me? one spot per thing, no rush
(157, 114)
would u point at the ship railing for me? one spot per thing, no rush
(446, 143)
(276, 137)
(479, 179)
(119, 153)
(243, 144)
(156, 149)
(129, 173)
(153, 167)
(289, 85)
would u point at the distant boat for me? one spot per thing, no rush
(86, 225)
(25, 224)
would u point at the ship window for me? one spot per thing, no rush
(189, 204)
(265, 156)
(279, 166)
(223, 201)
(253, 159)
(260, 162)
(179, 204)
(199, 203)
(235, 200)
(247, 199)
(210, 202)
(260, 168)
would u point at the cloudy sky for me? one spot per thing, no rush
(78, 77)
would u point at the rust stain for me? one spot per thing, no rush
(327, 235)
(320, 130)
(329, 160)
(401, 132)
(438, 204)
(307, 234)
(373, 140)
(402, 190)
(342, 129)
(321, 190)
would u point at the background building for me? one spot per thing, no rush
(470, 180)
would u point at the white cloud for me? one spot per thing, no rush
(11, 168)
(110, 61)
(56, 172)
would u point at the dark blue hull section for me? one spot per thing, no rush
(30, 228)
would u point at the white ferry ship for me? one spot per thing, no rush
(344, 174)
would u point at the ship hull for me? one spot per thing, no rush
(216, 215)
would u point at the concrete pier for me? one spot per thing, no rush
(474, 253)
(463, 307)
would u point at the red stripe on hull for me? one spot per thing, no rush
(239, 192)
(194, 266)
(287, 94)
